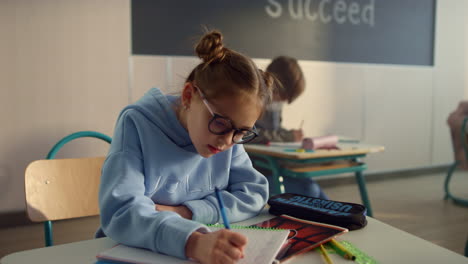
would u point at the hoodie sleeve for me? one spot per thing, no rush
(244, 197)
(127, 215)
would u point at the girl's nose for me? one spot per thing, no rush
(226, 139)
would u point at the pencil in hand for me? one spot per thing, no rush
(301, 124)
(222, 211)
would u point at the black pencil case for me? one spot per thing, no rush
(349, 215)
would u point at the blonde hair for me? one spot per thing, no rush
(226, 72)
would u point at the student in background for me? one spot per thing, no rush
(291, 78)
(289, 73)
(169, 153)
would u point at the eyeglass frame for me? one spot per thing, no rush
(233, 128)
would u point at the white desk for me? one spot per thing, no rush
(384, 243)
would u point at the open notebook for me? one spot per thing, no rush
(305, 235)
(262, 247)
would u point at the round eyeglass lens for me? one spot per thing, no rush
(243, 136)
(220, 125)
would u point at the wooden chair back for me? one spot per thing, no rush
(62, 188)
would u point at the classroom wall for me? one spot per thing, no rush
(63, 68)
(401, 107)
(66, 66)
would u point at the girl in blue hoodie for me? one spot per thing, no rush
(169, 153)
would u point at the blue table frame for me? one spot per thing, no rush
(284, 161)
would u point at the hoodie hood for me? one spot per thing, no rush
(158, 108)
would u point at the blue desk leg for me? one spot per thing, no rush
(269, 163)
(363, 190)
(275, 171)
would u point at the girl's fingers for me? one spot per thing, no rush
(229, 248)
(233, 253)
(238, 240)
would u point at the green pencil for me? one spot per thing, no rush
(341, 250)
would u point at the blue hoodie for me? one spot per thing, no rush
(152, 160)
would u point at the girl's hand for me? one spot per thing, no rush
(298, 135)
(182, 210)
(220, 247)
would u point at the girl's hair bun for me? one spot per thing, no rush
(210, 48)
(225, 72)
(269, 79)
(271, 83)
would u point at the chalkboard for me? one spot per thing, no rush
(358, 31)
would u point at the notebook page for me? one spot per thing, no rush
(262, 247)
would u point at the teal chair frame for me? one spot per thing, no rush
(48, 233)
(466, 248)
(272, 164)
(453, 167)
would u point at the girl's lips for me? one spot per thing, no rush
(213, 149)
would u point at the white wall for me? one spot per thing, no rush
(66, 66)
(450, 84)
(63, 68)
(401, 107)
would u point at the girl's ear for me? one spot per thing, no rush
(187, 95)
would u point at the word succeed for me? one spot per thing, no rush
(324, 11)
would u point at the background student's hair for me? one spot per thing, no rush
(289, 73)
(227, 72)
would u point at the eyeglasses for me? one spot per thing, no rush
(220, 125)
